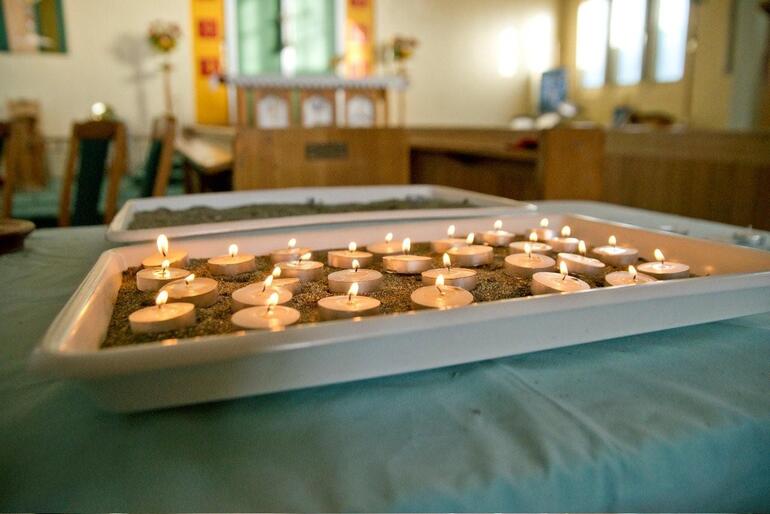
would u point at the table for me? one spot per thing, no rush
(674, 420)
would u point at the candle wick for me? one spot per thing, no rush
(441, 291)
(350, 298)
(269, 311)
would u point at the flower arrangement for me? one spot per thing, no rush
(404, 47)
(163, 35)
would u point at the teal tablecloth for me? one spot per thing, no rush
(673, 420)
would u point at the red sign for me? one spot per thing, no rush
(209, 65)
(207, 28)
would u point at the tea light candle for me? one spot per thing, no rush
(259, 294)
(543, 232)
(348, 306)
(497, 236)
(270, 317)
(233, 263)
(290, 253)
(472, 255)
(457, 277)
(345, 258)
(524, 265)
(368, 280)
(304, 269)
(627, 278)
(152, 279)
(663, 270)
(386, 248)
(406, 264)
(442, 245)
(565, 243)
(440, 296)
(580, 263)
(178, 257)
(615, 255)
(534, 246)
(200, 291)
(545, 282)
(162, 317)
(291, 283)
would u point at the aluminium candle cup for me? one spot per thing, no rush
(288, 254)
(429, 297)
(665, 270)
(543, 233)
(231, 265)
(457, 277)
(619, 256)
(343, 307)
(523, 266)
(201, 292)
(564, 244)
(253, 295)
(368, 280)
(164, 318)
(624, 278)
(152, 279)
(259, 318)
(306, 271)
(581, 265)
(345, 258)
(472, 255)
(518, 247)
(406, 264)
(292, 284)
(545, 282)
(497, 237)
(384, 248)
(443, 245)
(176, 259)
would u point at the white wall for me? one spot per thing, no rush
(108, 60)
(454, 72)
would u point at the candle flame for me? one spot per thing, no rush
(440, 283)
(356, 264)
(162, 245)
(406, 245)
(450, 232)
(566, 231)
(563, 269)
(612, 241)
(232, 250)
(498, 224)
(272, 301)
(305, 256)
(189, 279)
(528, 249)
(161, 299)
(470, 238)
(165, 265)
(533, 236)
(659, 255)
(446, 260)
(582, 247)
(268, 282)
(389, 237)
(276, 271)
(353, 291)
(352, 246)
(632, 271)
(292, 243)
(544, 222)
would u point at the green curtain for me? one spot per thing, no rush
(259, 36)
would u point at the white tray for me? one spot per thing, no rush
(177, 372)
(487, 205)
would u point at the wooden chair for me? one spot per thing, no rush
(160, 156)
(88, 152)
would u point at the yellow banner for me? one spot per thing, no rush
(208, 39)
